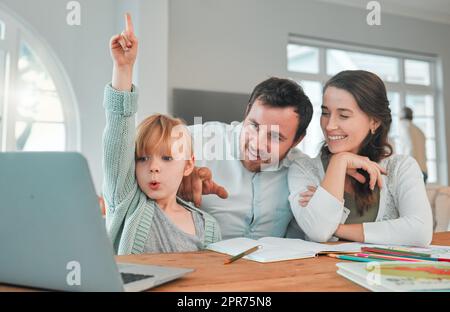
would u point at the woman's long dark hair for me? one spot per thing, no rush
(369, 92)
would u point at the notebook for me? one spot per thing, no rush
(279, 249)
(398, 276)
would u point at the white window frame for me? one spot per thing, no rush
(401, 87)
(17, 31)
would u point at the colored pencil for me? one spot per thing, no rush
(394, 252)
(383, 257)
(351, 258)
(411, 255)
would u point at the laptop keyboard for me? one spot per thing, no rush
(130, 277)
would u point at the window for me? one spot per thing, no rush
(385, 67)
(37, 106)
(408, 78)
(39, 121)
(423, 108)
(303, 59)
(314, 139)
(417, 72)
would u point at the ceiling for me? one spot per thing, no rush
(429, 10)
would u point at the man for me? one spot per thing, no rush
(411, 141)
(250, 159)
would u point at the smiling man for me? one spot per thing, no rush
(250, 159)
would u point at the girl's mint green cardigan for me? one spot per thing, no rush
(129, 214)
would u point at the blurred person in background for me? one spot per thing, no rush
(411, 140)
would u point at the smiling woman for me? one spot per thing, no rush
(356, 118)
(355, 190)
(411, 80)
(38, 110)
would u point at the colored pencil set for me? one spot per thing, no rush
(369, 254)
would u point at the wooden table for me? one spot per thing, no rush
(314, 274)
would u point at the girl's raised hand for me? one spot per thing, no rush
(124, 46)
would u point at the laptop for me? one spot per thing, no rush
(52, 234)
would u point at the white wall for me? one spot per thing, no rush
(153, 57)
(234, 44)
(83, 51)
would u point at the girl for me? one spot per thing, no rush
(142, 174)
(352, 200)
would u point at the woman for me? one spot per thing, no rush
(355, 190)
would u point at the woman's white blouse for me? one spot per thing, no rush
(404, 215)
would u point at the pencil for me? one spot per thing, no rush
(383, 257)
(411, 255)
(242, 254)
(394, 252)
(352, 258)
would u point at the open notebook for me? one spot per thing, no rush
(279, 249)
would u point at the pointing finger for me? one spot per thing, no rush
(129, 28)
(219, 191)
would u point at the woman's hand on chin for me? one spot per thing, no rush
(353, 162)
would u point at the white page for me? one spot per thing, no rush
(307, 246)
(345, 247)
(269, 253)
(292, 244)
(278, 249)
(233, 246)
